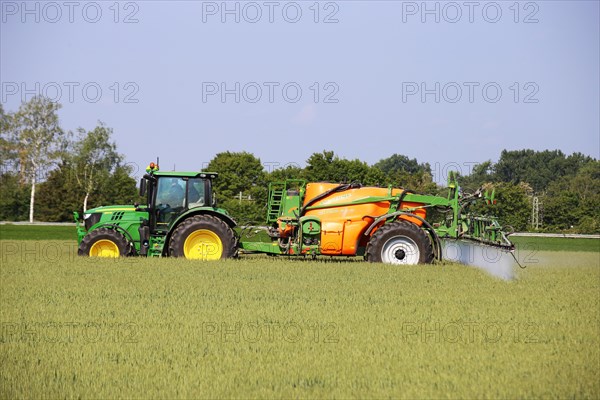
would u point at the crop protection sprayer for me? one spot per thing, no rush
(180, 218)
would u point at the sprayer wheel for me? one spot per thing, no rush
(203, 237)
(401, 243)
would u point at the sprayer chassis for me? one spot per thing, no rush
(343, 220)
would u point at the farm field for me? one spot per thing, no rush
(527, 244)
(555, 244)
(37, 232)
(274, 327)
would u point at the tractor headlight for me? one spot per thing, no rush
(91, 219)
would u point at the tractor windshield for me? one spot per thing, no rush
(170, 201)
(171, 192)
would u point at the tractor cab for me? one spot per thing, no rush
(171, 194)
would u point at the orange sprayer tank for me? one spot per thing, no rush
(342, 226)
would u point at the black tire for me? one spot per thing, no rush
(203, 230)
(104, 242)
(400, 242)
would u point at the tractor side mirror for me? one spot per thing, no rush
(142, 187)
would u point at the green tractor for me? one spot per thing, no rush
(180, 219)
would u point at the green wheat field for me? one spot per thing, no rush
(261, 327)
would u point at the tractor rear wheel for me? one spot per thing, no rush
(203, 237)
(400, 243)
(104, 242)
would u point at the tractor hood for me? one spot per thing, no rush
(110, 209)
(112, 215)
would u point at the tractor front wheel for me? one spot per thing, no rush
(104, 242)
(203, 237)
(400, 243)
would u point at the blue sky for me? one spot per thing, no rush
(449, 83)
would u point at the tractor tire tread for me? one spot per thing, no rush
(205, 221)
(104, 233)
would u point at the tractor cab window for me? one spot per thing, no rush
(170, 200)
(196, 195)
(171, 192)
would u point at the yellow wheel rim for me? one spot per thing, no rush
(105, 248)
(203, 245)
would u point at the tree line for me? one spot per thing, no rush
(84, 170)
(566, 187)
(47, 173)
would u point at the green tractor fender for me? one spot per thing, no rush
(215, 212)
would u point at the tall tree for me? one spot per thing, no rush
(289, 172)
(538, 168)
(120, 188)
(402, 171)
(326, 166)
(399, 162)
(573, 203)
(240, 173)
(319, 166)
(94, 157)
(58, 196)
(38, 131)
(512, 204)
(62, 193)
(13, 194)
(6, 139)
(481, 173)
(13, 198)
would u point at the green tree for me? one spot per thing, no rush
(240, 173)
(573, 203)
(319, 166)
(420, 182)
(538, 168)
(121, 188)
(93, 160)
(399, 170)
(8, 153)
(481, 174)
(13, 198)
(326, 166)
(401, 163)
(566, 186)
(512, 204)
(38, 133)
(376, 177)
(289, 172)
(59, 195)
